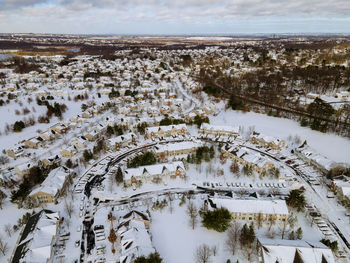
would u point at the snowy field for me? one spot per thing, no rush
(9, 117)
(332, 146)
(176, 241)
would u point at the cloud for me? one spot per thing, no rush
(112, 15)
(17, 4)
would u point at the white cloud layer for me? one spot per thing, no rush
(176, 16)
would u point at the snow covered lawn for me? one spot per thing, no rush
(335, 147)
(175, 240)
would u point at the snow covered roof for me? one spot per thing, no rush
(122, 138)
(135, 241)
(267, 138)
(230, 129)
(252, 206)
(316, 157)
(166, 128)
(53, 182)
(35, 242)
(288, 251)
(176, 146)
(346, 190)
(155, 169)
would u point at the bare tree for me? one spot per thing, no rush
(283, 228)
(260, 219)
(272, 221)
(2, 198)
(67, 222)
(203, 254)
(192, 213)
(292, 220)
(68, 207)
(214, 250)
(8, 229)
(171, 206)
(3, 246)
(232, 237)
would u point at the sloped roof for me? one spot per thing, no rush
(35, 241)
(53, 182)
(155, 169)
(252, 206)
(290, 251)
(166, 128)
(135, 242)
(176, 146)
(230, 129)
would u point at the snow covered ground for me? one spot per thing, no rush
(176, 241)
(332, 146)
(9, 215)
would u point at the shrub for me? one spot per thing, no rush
(296, 200)
(18, 126)
(152, 258)
(333, 245)
(87, 154)
(211, 91)
(141, 127)
(218, 219)
(198, 120)
(69, 163)
(147, 158)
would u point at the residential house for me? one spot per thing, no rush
(290, 251)
(94, 132)
(154, 173)
(46, 136)
(121, 141)
(320, 162)
(79, 142)
(69, 152)
(163, 152)
(35, 242)
(341, 187)
(45, 162)
(52, 187)
(16, 152)
(216, 131)
(86, 115)
(166, 131)
(133, 237)
(256, 161)
(60, 128)
(267, 141)
(23, 169)
(34, 143)
(251, 210)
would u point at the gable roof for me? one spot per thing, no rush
(155, 169)
(53, 182)
(294, 251)
(35, 242)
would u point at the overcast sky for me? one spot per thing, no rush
(175, 16)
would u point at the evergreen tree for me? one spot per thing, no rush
(244, 235)
(211, 152)
(119, 175)
(299, 233)
(291, 235)
(218, 220)
(296, 199)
